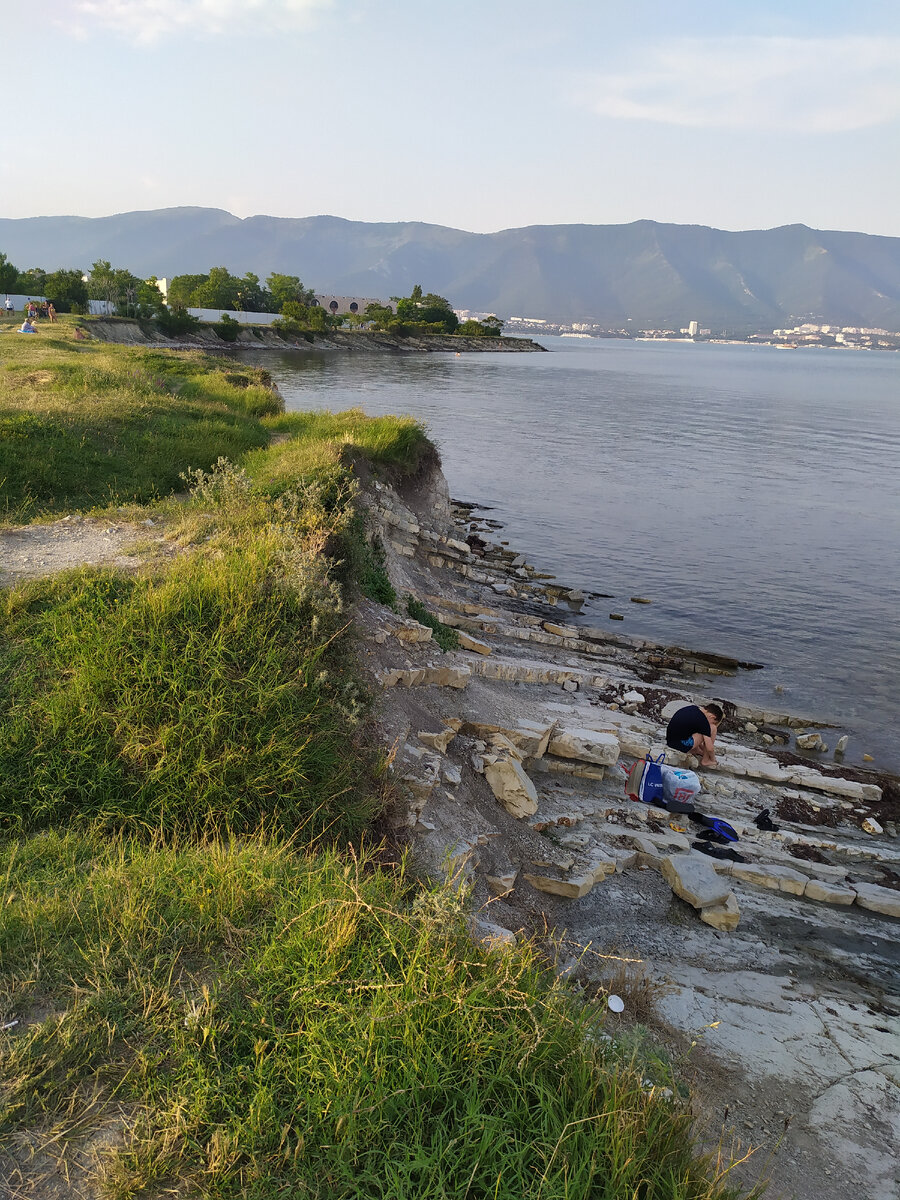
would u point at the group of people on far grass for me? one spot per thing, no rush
(33, 311)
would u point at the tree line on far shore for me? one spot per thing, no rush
(70, 290)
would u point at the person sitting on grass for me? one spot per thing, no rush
(27, 326)
(693, 729)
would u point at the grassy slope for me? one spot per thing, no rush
(257, 1019)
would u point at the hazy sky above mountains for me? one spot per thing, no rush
(479, 114)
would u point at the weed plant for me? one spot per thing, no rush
(446, 638)
(265, 1025)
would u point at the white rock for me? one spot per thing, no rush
(587, 745)
(841, 744)
(467, 642)
(878, 899)
(672, 708)
(493, 937)
(570, 685)
(501, 884)
(694, 880)
(870, 825)
(810, 741)
(633, 698)
(724, 916)
(512, 787)
(829, 893)
(777, 879)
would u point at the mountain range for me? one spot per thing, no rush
(645, 273)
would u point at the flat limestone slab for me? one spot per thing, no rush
(694, 880)
(587, 745)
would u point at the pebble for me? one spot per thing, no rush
(616, 617)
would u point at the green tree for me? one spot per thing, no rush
(181, 288)
(285, 289)
(33, 281)
(149, 297)
(9, 275)
(220, 290)
(116, 286)
(67, 290)
(493, 326)
(252, 296)
(430, 311)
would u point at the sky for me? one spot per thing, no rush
(479, 114)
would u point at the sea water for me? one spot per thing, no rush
(751, 493)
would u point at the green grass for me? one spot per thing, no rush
(214, 696)
(84, 424)
(270, 1025)
(201, 979)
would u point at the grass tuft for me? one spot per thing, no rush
(446, 638)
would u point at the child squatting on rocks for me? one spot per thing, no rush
(693, 729)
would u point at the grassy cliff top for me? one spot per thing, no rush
(208, 985)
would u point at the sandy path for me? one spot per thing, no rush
(29, 551)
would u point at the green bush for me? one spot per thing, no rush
(174, 321)
(446, 638)
(227, 328)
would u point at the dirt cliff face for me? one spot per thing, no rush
(135, 333)
(509, 756)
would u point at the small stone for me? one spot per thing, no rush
(841, 744)
(570, 685)
(640, 600)
(501, 884)
(616, 617)
(810, 741)
(751, 728)
(768, 739)
(724, 916)
(868, 758)
(870, 825)
(633, 698)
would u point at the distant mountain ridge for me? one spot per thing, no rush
(658, 275)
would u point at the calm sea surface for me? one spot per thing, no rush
(752, 493)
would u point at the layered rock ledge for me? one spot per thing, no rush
(510, 754)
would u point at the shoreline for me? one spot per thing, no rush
(510, 756)
(123, 331)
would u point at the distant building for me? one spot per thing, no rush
(345, 305)
(693, 328)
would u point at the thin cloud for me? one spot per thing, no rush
(151, 20)
(813, 85)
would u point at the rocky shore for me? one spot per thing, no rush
(260, 337)
(777, 974)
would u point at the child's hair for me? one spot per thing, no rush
(716, 711)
